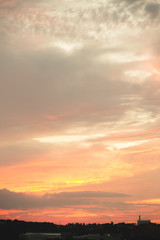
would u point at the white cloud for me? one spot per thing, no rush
(122, 145)
(68, 138)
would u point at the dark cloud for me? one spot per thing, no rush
(76, 87)
(72, 88)
(153, 9)
(89, 194)
(12, 200)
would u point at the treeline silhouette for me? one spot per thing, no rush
(11, 229)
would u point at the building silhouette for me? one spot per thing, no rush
(140, 221)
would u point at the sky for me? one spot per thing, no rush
(80, 110)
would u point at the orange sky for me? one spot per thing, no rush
(79, 100)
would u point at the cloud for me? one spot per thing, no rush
(13, 200)
(55, 24)
(69, 70)
(88, 84)
(43, 83)
(153, 9)
(90, 194)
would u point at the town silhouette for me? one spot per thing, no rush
(143, 230)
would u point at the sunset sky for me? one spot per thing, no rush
(80, 110)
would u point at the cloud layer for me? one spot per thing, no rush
(12, 200)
